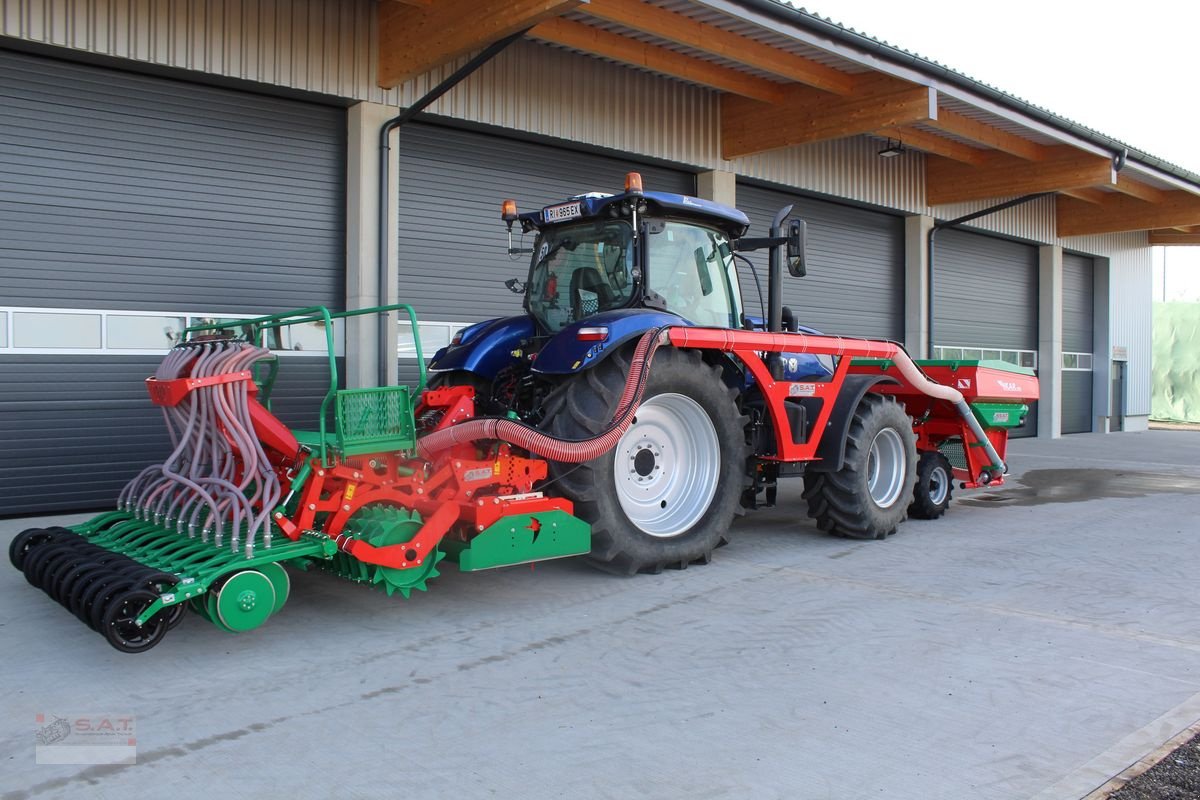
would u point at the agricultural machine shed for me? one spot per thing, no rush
(164, 169)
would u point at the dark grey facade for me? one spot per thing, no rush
(985, 297)
(1077, 327)
(855, 282)
(125, 191)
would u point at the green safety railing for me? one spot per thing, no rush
(253, 330)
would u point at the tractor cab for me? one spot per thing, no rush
(647, 250)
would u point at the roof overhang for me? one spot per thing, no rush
(788, 78)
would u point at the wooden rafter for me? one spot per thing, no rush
(937, 145)
(1005, 176)
(683, 30)
(987, 135)
(1088, 195)
(1141, 191)
(808, 115)
(415, 38)
(602, 43)
(1172, 236)
(1124, 213)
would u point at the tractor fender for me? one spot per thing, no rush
(485, 347)
(832, 449)
(566, 354)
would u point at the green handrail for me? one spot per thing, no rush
(314, 314)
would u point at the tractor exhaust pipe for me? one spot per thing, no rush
(775, 289)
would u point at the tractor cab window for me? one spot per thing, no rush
(692, 269)
(580, 270)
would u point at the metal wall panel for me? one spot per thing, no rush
(453, 247)
(986, 295)
(127, 191)
(855, 282)
(77, 428)
(1076, 402)
(1077, 331)
(1077, 303)
(123, 191)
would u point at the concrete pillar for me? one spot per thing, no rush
(362, 243)
(916, 284)
(719, 186)
(1050, 341)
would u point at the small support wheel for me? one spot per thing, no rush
(243, 601)
(119, 623)
(935, 485)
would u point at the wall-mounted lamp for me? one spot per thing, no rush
(893, 149)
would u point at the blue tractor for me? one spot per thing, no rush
(607, 268)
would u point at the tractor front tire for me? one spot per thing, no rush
(665, 496)
(869, 496)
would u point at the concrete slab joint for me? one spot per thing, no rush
(363, 122)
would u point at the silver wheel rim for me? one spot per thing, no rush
(885, 468)
(939, 485)
(666, 465)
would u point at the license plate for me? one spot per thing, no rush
(562, 212)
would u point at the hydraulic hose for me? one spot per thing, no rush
(537, 442)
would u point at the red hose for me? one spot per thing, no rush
(534, 441)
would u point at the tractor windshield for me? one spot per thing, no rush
(691, 268)
(580, 270)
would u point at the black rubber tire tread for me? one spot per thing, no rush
(116, 626)
(583, 405)
(839, 501)
(922, 506)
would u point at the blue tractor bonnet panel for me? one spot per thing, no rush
(566, 353)
(485, 347)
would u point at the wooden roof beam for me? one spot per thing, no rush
(807, 115)
(988, 136)
(683, 30)
(1124, 213)
(1126, 185)
(415, 38)
(1173, 237)
(1006, 176)
(937, 145)
(1088, 195)
(602, 43)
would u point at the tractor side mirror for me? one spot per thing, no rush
(515, 286)
(797, 247)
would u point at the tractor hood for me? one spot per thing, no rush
(576, 347)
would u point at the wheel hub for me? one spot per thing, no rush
(886, 468)
(666, 465)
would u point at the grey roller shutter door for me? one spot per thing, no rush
(986, 296)
(1077, 277)
(855, 282)
(452, 245)
(125, 191)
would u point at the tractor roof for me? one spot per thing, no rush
(596, 204)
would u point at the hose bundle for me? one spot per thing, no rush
(217, 479)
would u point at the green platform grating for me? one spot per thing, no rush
(375, 420)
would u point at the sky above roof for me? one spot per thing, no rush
(1124, 69)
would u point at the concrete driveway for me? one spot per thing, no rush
(1033, 643)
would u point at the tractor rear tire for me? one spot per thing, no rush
(665, 496)
(935, 486)
(868, 497)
